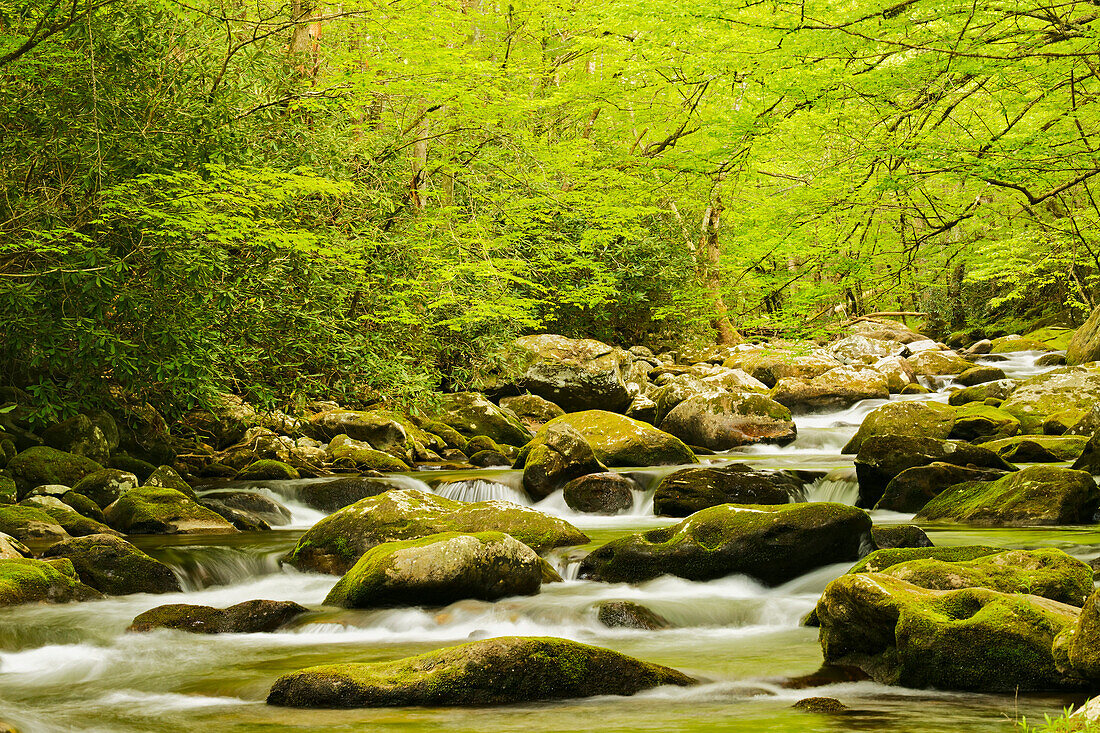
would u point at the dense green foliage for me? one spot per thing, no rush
(350, 200)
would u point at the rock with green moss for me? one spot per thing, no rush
(914, 487)
(104, 487)
(882, 559)
(42, 465)
(438, 570)
(267, 470)
(31, 525)
(723, 421)
(75, 523)
(1053, 337)
(771, 365)
(380, 430)
(973, 639)
(883, 457)
(330, 494)
(335, 543)
(472, 414)
(935, 363)
(980, 375)
(1084, 346)
(914, 419)
(1015, 342)
(168, 478)
(9, 493)
(1089, 459)
(600, 493)
(1036, 495)
(490, 672)
(489, 459)
(259, 505)
(619, 441)
(115, 567)
(836, 388)
(479, 443)
(53, 581)
(861, 350)
(12, 549)
(81, 436)
(1083, 642)
(533, 411)
(1041, 396)
(451, 438)
(772, 543)
(159, 510)
(368, 459)
(630, 615)
(894, 536)
(1061, 447)
(142, 469)
(250, 617)
(684, 492)
(999, 389)
(559, 455)
(575, 374)
(980, 421)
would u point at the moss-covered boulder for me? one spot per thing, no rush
(159, 510)
(472, 414)
(42, 465)
(1083, 642)
(914, 419)
(689, 490)
(630, 615)
(557, 456)
(914, 487)
(104, 487)
(882, 457)
(980, 375)
(330, 494)
(367, 459)
(439, 569)
(600, 493)
(1037, 398)
(1015, 342)
(968, 639)
(9, 492)
(935, 363)
(772, 543)
(881, 559)
(250, 617)
(81, 436)
(575, 374)
(490, 672)
(260, 505)
(115, 567)
(1036, 495)
(999, 389)
(619, 441)
(836, 388)
(1084, 346)
(168, 478)
(771, 365)
(895, 536)
(1089, 458)
(30, 524)
(981, 421)
(533, 411)
(723, 421)
(861, 350)
(53, 581)
(267, 470)
(13, 549)
(75, 523)
(380, 429)
(336, 542)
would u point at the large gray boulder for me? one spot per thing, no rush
(575, 374)
(1085, 344)
(839, 387)
(472, 414)
(619, 441)
(723, 421)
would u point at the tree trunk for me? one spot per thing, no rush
(712, 278)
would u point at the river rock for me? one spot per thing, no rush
(914, 487)
(934, 363)
(114, 566)
(472, 414)
(42, 465)
(619, 441)
(1039, 397)
(882, 457)
(600, 493)
(9, 492)
(1022, 448)
(887, 330)
(336, 542)
(250, 617)
(1083, 642)
(159, 510)
(558, 455)
(630, 615)
(491, 672)
(881, 559)
(262, 507)
(737, 381)
(642, 409)
(75, 523)
(861, 350)
(678, 388)
(969, 639)
(915, 419)
(12, 549)
(1089, 459)
(104, 487)
(267, 470)
(167, 477)
(80, 436)
(689, 490)
(898, 372)
(30, 524)
(836, 388)
(1085, 344)
(974, 421)
(328, 495)
(980, 375)
(379, 429)
(770, 366)
(1036, 495)
(533, 411)
(438, 570)
(723, 421)
(53, 581)
(889, 537)
(770, 543)
(575, 374)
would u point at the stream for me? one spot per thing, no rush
(73, 667)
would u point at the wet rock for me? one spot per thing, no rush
(884, 558)
(104, 487)
(250, 617)
(328, 495)
(980, 375)
(689, 490)
(899, 536)
(12, 549)
(267, 470)
(618, 441)
(1038, 448)
(915, 419)
(1036, 495)
(600, 493)
(490, 672)
(824, 705)
(53, 581)
(558, 455)
(914, 487)
(630, 615)
(73, 522)
(241, 520)
(489, 458)
(974, 421)
(114, 566)
(575, 374)
(438, 570)
(262, 507)
(723, 421)
(472, 414)
(336, 542)
(770, 543)
(41, 465)
(882, 457)
(31, 525)
(836, 388)
(159, 510)
(1039, 397)
(999, 389)
(970, 639)
(1054, 360)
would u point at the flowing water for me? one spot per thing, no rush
(73, 667)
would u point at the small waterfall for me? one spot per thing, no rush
(482, 490)
(203, 566)
(839, 486)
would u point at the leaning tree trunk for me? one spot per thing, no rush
(712, 278)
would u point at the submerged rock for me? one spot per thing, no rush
(689, 490)
(600, 493)
(53, 581)
(1037, 495)
(439, 569)
(630, 615)
(336, 542)
(158, 510)
(770, 543)
(619, 441)
(250, 617)
(114, 566)
(490, 672)
(723, 421)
